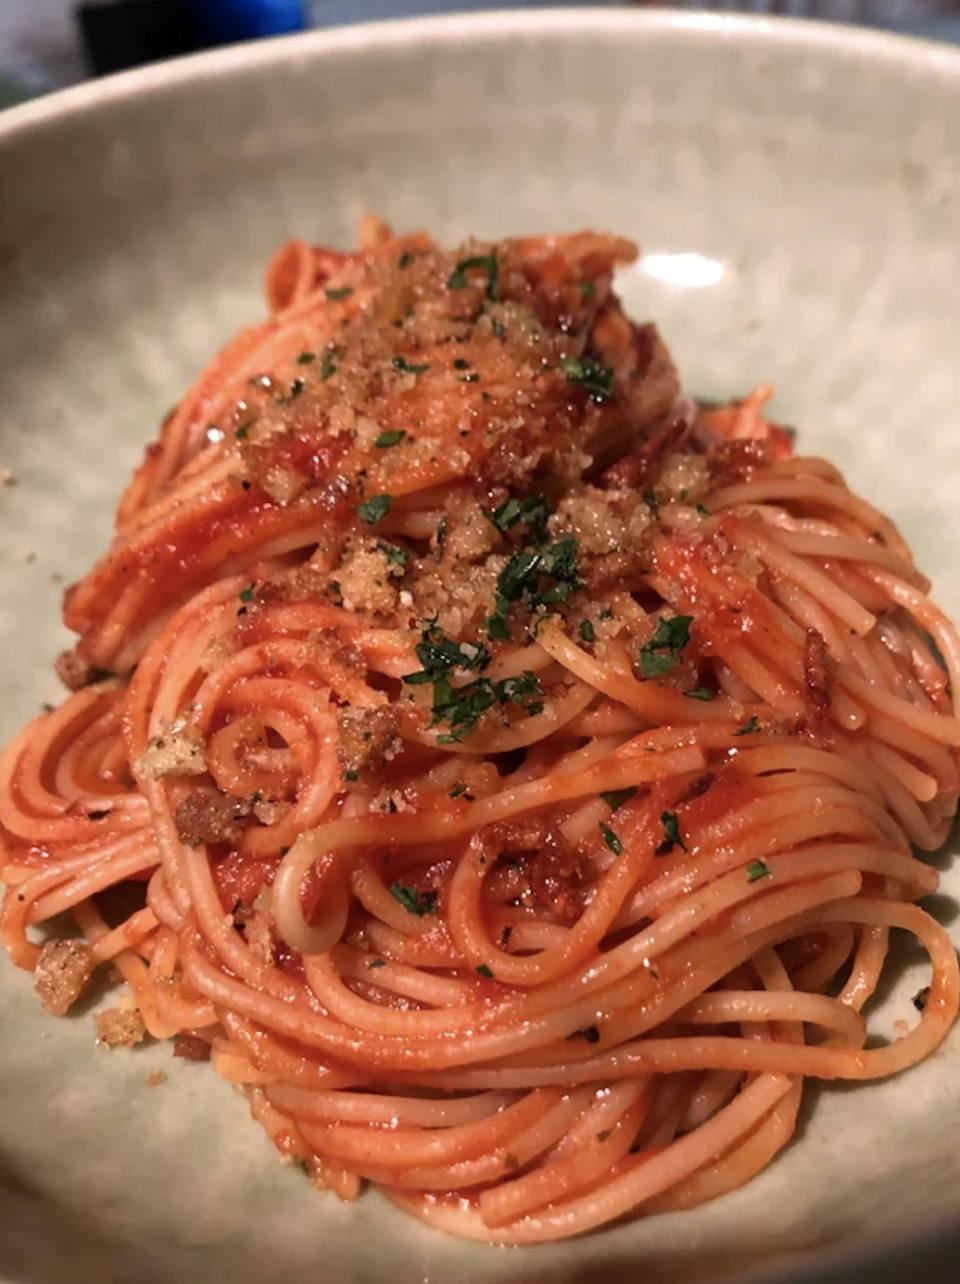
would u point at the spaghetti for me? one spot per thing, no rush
(503, 769)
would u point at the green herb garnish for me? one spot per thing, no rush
(522, 580)
(246, 594)
(376, 963)
(586, 632)
(327, 367)
(296, 388)
(342, 293)
(414, 902)
(401, 363)
(483, 970)
(597, 380)
(659, 655)
(615, 798)
(611, 839)
(534, 511)
(699, 693)
(751, 724)
(757, 870)
(461, 707)
(395, 556)
(488, 262)
(374, 509)
(671, 833)
(388, 439)
(305, 358)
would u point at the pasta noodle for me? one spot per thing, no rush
(502, 768)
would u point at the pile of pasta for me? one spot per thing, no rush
(504, 769)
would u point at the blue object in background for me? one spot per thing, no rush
(218, 22)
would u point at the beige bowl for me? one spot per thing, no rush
(797, 190)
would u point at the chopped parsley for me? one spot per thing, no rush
(441, 530)
(586, 289)
(388, 439)
(533, 511)
(305, 358)
(344, 292)
(699, 693)
(597, 380)
(406, 258)
(488, 262)
(246, 594)
(470, 378)
(300, 1163)
(615, 798)
(603, 1134)
(352, 774)
(460, 790)
(586, 632)
(671, 834)
(395, 556)
(757, 870)
(650, 499)
(659, 655)
(483, 970)
(244, 430)
(376, 963)
(500, 330)
(401, 363)
(374, 509)
(611, 839)
(296, 388)
(751, 724)
(505, 937)
(704, 512)
(461, 363)
(327, 367)
(522, 580)
(461, 707)
(414, 902)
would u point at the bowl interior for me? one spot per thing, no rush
(797, 191)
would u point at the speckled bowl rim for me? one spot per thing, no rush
(922, 56)
(932, 1254)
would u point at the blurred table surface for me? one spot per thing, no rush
(40, 48)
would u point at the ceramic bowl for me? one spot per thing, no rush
(796, 189)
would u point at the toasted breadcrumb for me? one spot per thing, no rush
(177, 751)
(191, 1048)
(119, 1027)
(62, 974)
(369, 737)
(365, 578)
